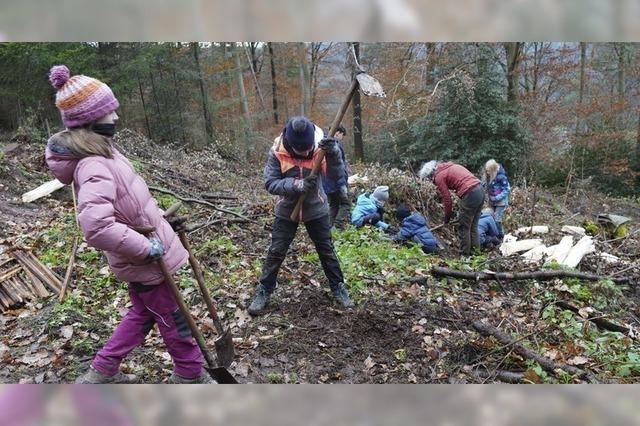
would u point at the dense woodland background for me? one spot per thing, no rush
(556, 113)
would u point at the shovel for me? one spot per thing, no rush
(370, 87)
(219, 374)
(224, 342)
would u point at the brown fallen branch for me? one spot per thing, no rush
(599, 321)
(35, 268)
(67, 275)
(546, 363)
(502, 375)
(543, 275)
(212, 196)
(204, 203)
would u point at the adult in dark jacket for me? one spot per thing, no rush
(287, 174)
(337, 190)
(414, 227)
(454, 177)
(488, 229)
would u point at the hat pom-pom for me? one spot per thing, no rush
(59, 75)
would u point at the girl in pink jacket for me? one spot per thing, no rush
(112, 200)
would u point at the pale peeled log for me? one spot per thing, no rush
(355, 179)
(538, 229)
(561, 249)
(507, 249)
(609, 258)
(577, 252)
(42, 191)
(574, 230)
(535, 254)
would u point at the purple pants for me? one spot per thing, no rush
(152, 304)
(22, 405)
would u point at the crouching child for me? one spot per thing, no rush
(414, 227)
(488, 231)
(369, 209)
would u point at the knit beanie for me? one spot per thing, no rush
(381, 194)
(402, 212)
(81, 99)
(300, 133)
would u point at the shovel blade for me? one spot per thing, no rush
(221, 375)
(370, 86)
(224, 349)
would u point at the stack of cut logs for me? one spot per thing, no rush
(23, 277)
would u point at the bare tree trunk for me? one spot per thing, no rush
(274, 85)
(180, 112)
(244, 104)
(144, 108)
(429, 63)
(583, 60)
(513, 61)
(255, 81)
(304, 79)
(205, 105)
(358, 145)
(620, 51)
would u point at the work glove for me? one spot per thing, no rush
(329, 146)
(306, 185)
(371, 219)
(157, 249)
(178, 223)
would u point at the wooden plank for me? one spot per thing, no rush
(39, 272)
(40, 289)
(5, 299)
(13, 292)
(55, 278)
(26, 294)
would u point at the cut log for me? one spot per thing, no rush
(577, 252)
(507, 249)
(42, 191)
(546, 363)
(600, 322)
(542, 275)
(538, 229)
(574, 230)
(562, 249)
(535, 254)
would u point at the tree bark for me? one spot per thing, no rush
(244, 104)
(583, 60)
(203, 93)
(274, 85)
(144, 108)
(543, 275)
(358, 145)
(304, 80)
(513, 62)
(600, 322)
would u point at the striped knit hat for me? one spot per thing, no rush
(81, 99)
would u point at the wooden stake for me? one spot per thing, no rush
(67, 276)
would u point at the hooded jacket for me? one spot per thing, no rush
(487, 229)
(113, 199)
(451, 176)
(365, 206)
(333, 185)
(415, 228)
(282, 170)
(499, 189)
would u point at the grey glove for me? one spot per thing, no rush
(307, 184)
(157, 249)
(329, 146)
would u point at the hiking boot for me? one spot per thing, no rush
(95, 377)
(260, 301)
(203, 379)
(342, 296)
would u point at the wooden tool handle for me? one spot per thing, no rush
(173, 209)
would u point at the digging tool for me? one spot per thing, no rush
(224, 342)
(220, 374)
(370, 87)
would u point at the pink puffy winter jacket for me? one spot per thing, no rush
(112, 199)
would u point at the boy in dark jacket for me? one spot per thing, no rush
(450, 176)
(488, 229)
(337, 190)
(287, 174)
(414, 227)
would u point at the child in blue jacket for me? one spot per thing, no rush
(498, 188)
(369, 209)
(414, 227)
(488, 229)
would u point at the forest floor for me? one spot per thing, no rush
(408, 326)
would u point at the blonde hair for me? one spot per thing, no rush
(82, 142)
(491, 169)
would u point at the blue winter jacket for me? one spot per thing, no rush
(499, 189)
(488, 230)
(415, 228)
(333, 185)
(365, 206)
